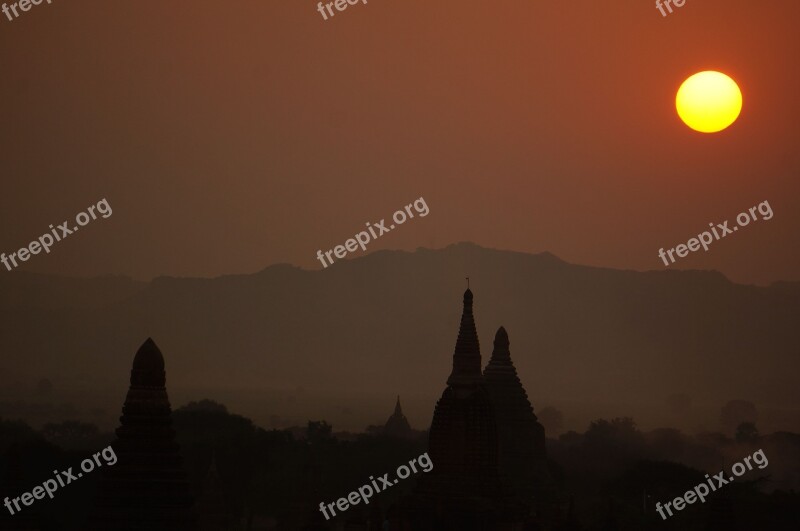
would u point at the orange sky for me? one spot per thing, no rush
(228, 137)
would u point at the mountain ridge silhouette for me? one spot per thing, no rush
(386, 322)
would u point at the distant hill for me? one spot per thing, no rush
(364, 330)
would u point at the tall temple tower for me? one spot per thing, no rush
(463, 435)
(147, 487)
(463, 491)
(521, 443)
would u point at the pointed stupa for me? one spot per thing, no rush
(521, 440)
(147, 487)
(463, 437)
(467, 355)
(501, 370)
(215, 511)
(397, 425)
(148, 367)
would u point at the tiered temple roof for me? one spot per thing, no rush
(147, 487)
(464, 490)
(521, 441)
(463, 436)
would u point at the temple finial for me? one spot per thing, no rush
(467, 355)
(467, 282)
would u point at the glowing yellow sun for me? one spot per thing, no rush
(709, 101)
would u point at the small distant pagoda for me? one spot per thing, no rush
(147, 487)
(397, 426)
(214, 510)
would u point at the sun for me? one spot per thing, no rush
(709, 101)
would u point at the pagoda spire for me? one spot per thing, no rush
(148, 367)
(397, 425)
(467, 355)
(147, 488)
(521, 438)
(501, 351)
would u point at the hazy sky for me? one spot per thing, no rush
(227, 137)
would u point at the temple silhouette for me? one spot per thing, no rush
(398, 426)
(522, 458)
(147, 488)
(490, 468)
(486, 444)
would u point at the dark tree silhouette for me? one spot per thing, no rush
(737, 411)
(205, 405)
(746, 432)
(318, 431)
(69, 429)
